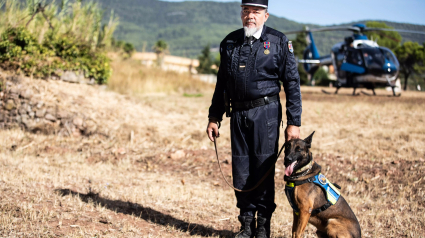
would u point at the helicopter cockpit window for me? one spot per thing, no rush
(373, 57)
(354, 57)
(390, 56)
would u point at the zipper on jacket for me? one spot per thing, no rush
(247, 68)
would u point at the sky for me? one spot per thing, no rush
(328, 12)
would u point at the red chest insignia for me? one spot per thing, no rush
(266, 47)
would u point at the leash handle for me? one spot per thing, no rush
(259, 182)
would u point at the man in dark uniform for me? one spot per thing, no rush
(253, 62)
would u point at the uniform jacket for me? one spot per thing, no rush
(247, 73)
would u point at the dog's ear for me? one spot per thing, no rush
(309, 139)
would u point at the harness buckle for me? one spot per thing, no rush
(266, 100)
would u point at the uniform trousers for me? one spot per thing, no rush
(255, 144)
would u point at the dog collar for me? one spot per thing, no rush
(307, 167)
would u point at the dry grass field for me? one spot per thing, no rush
(152, 172)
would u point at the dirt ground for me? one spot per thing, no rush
(152, 173)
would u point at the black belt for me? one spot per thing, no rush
(254, 103)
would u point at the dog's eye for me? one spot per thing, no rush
(298, 149)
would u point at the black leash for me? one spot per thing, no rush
(259, 182)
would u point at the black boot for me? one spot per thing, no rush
(263, 227)
(247, 228)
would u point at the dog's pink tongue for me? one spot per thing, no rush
(290, 169)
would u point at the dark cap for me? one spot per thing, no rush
(258, 3)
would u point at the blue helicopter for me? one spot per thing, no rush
(356, 62)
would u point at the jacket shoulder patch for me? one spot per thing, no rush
(290, 47)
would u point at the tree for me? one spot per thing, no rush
(411, 56)
(125, 48)
(160, 48)
(129, 48)
(389, 39)
(217, 60)
(206, 60)
(321, 77)
(299, 45)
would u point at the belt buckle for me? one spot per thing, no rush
(266, 100)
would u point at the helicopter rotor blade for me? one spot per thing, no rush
(352, 28)
(397, 30)
(295, 32)
(336, 28)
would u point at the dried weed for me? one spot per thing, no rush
(152, 172)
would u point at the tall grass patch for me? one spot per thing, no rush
(131, 77)
(41, 39)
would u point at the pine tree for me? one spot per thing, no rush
(299, 44)
(411, 56)
(206, 60)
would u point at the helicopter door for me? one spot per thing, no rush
(354, 57)
(353, 63)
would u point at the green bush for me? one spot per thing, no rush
(125, 48)
(43, 38)
(19, 50)
(321, 77)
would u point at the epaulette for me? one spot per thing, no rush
(233, 36)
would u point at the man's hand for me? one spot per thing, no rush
(212, 128)
(292, 132)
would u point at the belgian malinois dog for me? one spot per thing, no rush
(313, 198)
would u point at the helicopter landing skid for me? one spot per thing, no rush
(374, 94)
(336, 92)
(368, 94)
(325, 92)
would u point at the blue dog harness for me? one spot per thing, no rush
(332, 193)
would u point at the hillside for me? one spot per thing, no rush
(189, 26)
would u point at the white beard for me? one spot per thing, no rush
(250, 31)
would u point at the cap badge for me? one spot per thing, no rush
(266, 47)
(290, 47)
